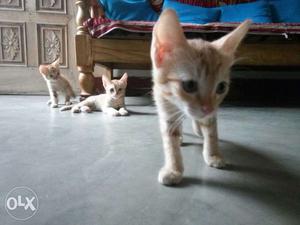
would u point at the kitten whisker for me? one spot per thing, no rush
(175, 124)
(175, 114)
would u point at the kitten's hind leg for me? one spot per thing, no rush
(211, 154)
(123, 111)
(111, 111)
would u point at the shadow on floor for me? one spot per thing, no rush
(136, 113)
(266, 181)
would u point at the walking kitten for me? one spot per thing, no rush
(56, 83)
(111, 103)
(191, 77)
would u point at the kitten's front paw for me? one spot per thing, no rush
(49, 102)
(123, 112)
(53, 105)
(216, 161)
(75, 110)
(169, 177)
(114, 113)
(68, 103)
(86, 109)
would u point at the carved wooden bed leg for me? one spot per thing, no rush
(83, 13)
(110, 73)
(86, 81)
(84, 58)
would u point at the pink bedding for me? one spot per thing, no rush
(99, 27)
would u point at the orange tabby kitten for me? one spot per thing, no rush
(56, 83)
(191, 77)
(111, 103)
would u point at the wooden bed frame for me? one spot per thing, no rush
(135, 54)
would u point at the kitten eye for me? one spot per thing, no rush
(111, 90)
(189, 86)
(221, 88)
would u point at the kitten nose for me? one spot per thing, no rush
(207, 109)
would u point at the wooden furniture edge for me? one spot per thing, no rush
(85, 64)
(137, 52)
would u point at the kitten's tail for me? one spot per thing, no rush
(65, 108)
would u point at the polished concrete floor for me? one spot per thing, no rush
(90, 169)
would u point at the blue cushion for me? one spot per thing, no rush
(285, 11)
(258, 12)
(129, 10)
(193, 14)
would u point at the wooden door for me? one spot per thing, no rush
(34, 32)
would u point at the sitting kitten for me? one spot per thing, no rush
(191, 77)
(111, 103)
(56, 83)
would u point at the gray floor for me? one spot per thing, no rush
(91, 169)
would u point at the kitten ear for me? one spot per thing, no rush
(229, 43)
(124, 78)
(56, 62)
(167, 35)
(43, 69)
(105, 81)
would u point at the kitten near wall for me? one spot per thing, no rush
(191, 77)
(111, 103)
(56, 83)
